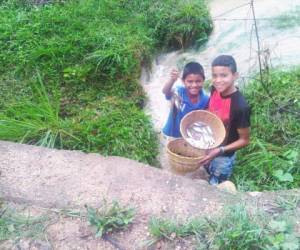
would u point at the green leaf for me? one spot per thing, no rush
(291, 155)
(287, 177)
(278, 173)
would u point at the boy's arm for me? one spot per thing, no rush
(167, 89)
(243, 141)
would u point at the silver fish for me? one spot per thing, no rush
(198, 129)
(177, 100)
(209, 129)
(200, 135)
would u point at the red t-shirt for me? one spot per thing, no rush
(233, 110)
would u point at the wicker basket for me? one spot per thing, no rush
(210, 119)
(183, 158)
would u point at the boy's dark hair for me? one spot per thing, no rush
(193, 68)
(225, 61)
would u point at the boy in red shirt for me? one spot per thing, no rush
(227, 102)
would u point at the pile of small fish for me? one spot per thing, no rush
(200, 135)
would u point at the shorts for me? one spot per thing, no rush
(220, 169)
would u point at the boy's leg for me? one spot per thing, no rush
(220, 169)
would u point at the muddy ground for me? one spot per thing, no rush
(39, 181)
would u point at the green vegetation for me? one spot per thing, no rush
(236, 228)
(272, 160)
(288, 202)
(35, 121)
(100, 127)
(110, 217)
(171, 230)
(15, 226)
(69, 70)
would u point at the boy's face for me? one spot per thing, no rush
(193, 83)
(223, 79)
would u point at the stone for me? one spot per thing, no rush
(227, 186)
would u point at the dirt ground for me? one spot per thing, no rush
(38, 181)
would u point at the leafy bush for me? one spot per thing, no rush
(272, 160)
(175, 24)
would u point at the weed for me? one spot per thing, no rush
(15, 226)
(288, 202)
(236, 228)
(281, 235)
(110, 217)
(165, 229)
(35, 121)
(271, 161)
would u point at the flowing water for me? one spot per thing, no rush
(278, 25)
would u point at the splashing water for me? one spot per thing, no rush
(279, 32)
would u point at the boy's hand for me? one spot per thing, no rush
(167, 89)
(210, 155)
(174, 75)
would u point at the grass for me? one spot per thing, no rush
(110, 218)
(170, 230)
(288, 202)
(272, 160)
(88, 55)
(236, 229)
(88, 40)
(111, 126)
(35, 121)
(15, 226)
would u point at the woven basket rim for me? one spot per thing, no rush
(201, 111)
(207, 113)
(181, 156)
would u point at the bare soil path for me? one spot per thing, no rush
(37, 179)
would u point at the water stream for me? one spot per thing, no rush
(279, 35)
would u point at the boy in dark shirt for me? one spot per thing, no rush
(227, 102)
